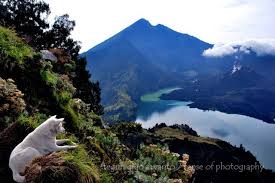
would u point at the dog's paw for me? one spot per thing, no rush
(73, 143)
(74, 146)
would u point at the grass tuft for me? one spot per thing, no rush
(80, 158)
(12, 46)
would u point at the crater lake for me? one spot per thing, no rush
(255, 135)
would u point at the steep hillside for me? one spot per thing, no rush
(121, 80)
(263, 64)
(41, 87)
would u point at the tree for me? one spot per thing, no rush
(26, 17)
(29, 19)
(87, 91)
(3, 12)
(59, 36)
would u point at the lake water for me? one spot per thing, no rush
(255, 135)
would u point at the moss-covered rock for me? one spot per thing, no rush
(63, 167)
(51, 168)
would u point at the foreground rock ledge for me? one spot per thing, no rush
(52, 168)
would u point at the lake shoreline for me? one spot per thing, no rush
(218, 103)
(233, 128)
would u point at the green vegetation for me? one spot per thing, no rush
(13, 47)
(29, 20)
(12, 102)
(167, 132)
(80, 159)
(32, 121)
(160, 165)
(123, 108)
(87, 91)
(49, 77)
(34, 89)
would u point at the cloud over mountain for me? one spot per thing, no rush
(220, 50)
(260, 46)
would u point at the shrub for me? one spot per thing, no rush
(126, 128)
(33, 120)
(158, 164)
(49, 77)
(81, 159)
(71, 115)
(13, 47)
(12, 102)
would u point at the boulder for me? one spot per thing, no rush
(49, 56)
(51, 168)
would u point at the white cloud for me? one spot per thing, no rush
(259, 46)
(220, 50)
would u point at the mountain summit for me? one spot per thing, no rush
(141, 58)
(159, 44)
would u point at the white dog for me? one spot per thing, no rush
(38, 143)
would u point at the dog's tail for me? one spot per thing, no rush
(18, 178)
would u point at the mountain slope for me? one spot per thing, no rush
(240, 91)
(142, 58)
(165, 48)
(122, 78)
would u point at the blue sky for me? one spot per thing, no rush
(214, 21)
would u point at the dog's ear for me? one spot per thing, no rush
(53, 116)
(60, 120)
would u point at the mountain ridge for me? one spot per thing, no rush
(141, 23)
(163, 55)
(150, 57)
(244, 92)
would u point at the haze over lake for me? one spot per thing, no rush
(255, 135)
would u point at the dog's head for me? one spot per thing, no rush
(56, 125)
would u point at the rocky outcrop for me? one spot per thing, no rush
(51, 168)
(48, 56)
